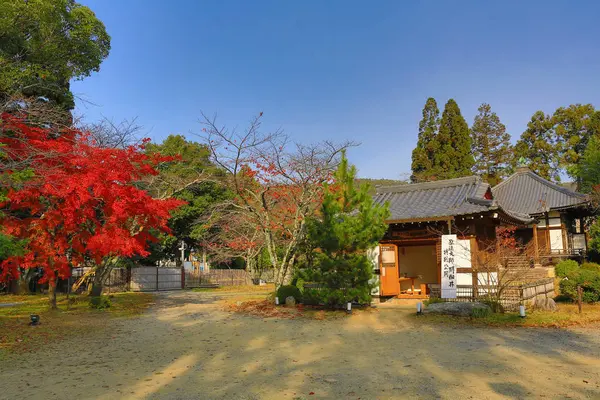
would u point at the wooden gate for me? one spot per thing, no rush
(144, 279)
(388, 261)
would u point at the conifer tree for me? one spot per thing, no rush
(491, 145)
(350, 223)
(453, 158)
(538, 147)
(422, 155)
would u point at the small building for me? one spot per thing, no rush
(559, 212)
(409, 256)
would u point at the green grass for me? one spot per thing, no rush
(567, 315)
(73, 317)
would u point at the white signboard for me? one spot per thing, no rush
(449, 246)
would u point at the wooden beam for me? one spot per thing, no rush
(535, 244)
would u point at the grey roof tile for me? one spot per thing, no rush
(437, 199)
(528, 193)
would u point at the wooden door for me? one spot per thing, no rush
(388, 259)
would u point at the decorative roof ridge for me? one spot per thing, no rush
(533, 175)
(445, 183)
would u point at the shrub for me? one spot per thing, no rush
(100, 302)
(288, 290)
(480, 312)
(588, 280)
(494, 304)
(566, 268)
(311, 297)
(433, 300)
(590, 266)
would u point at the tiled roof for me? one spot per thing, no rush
(528, 193)
(437, 199)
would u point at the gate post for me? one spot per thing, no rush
(157, 279)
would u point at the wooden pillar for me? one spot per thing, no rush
(474, 267)
(449, 226)
(547, 233)
(535, 245)
(563, 229)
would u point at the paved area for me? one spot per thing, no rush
(188, 347)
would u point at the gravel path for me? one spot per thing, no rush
(187, 347)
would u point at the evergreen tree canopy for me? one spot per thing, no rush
(491, 145)
(46, 43)
(538, 146)
(574, 126)
(453, 158)
(423, 154)
(349, 224)
(589, 166)
(189, 177)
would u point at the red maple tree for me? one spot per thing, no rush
(82, 203)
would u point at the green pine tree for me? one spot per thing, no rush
(349, 224)
(453, 158)
(539, 148)
(491, 145)
(423, 154)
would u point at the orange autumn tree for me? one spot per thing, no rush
(277, 184)
(80, 205)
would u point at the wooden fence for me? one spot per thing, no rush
(511, 297)
(221, 277)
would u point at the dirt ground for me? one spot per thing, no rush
(188, 347)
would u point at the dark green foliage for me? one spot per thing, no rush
(590, 266)
(288, 290)
(453, 157)
(575, 125)
(588, 168)
(186, 178)
(100, 302)
(594, 235)
(46, 43)
(481, 312)
(9, 247)
(538, 146)
(424, 152)
(348, 225)
(566, 268)
(491, 146)
(589, 280)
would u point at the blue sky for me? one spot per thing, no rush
(325, 69)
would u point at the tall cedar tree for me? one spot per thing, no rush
(423, 154)
(491, 145)
(349, 224)
(453, 158)
(574, 126)
(539, 148)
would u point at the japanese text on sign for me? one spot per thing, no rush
(449, 243)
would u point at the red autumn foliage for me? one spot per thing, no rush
(82, 203)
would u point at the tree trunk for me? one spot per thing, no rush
(52, 294)
(100, 275)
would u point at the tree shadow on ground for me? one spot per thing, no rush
(187, 347)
